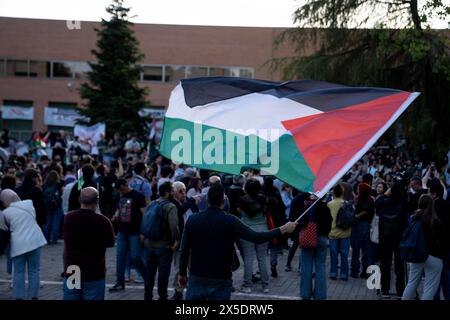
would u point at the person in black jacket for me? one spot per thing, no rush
(416, 190)
(276, 209)
(235, 192)
(208, 245)
(360, 238)
(435, 238)
(393, 213)
(442, 208)
(53, 204)
(86, 180)
(315, 257)
(31, 189)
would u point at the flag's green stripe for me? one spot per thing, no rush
(292, 167)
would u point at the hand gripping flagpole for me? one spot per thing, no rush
(306, 211)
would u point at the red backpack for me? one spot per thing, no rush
(308, 236)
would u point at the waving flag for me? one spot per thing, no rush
(307, 133)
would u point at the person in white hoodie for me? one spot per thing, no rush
(26, 241)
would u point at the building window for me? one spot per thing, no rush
(17, 68)
(235, 72)
(61, 70)
(246, 73)
(39, 69)
(219, 72)
(175, 73)
(64, 105)
(152, 73)
(195, 72)
(2, 67)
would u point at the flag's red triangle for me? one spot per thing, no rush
(329, 140)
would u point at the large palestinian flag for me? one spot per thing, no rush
(307, 133)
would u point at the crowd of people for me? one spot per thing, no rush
(209, 222)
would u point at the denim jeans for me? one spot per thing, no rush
(9, 267)
(90, 290)
(360, 241)
(53, 225)
(339, 247)
(196, 291)
(432, 268)
(128, 263)
(250, 249)
(158, 259)
(314, 258)
(30, 260)
(445, 278)
(125, 244)
(176, 267)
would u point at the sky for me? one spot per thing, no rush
(258, 13)
(255, 13)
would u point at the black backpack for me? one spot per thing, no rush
(346, 215)
(51, 198)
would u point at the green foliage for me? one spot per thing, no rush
(112, 92)
(385, 43)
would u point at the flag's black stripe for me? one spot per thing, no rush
(324, 96)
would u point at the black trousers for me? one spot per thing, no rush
(389, 248)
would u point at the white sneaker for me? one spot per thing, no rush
(246, 289)
(138, 280)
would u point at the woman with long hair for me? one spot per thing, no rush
(194, 187)
(360, 238)
(31, 189)
(252, 208)
(432, 267)
(53, 205)
(393, 217)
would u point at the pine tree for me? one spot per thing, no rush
(112, 93)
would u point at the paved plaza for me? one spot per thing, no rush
(285, 286)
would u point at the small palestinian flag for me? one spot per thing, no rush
(307, 133)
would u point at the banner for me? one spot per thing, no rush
(90, 134)
(17, 113)
(150, 112)
(65, 117)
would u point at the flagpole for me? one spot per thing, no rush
(307, 210)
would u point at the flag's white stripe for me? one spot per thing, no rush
(252, 111)
(368, 145)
